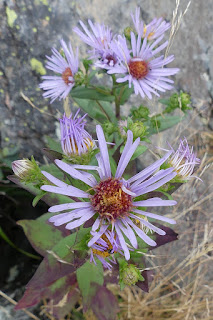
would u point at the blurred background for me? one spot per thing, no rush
(28, 31)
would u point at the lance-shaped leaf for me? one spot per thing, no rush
(52, 155)
(98, 93)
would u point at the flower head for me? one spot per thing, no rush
(155, 28)
(66, 65)
(75, 140)
(104, 248)
(99, 39)
(140, 68)
(112, 201)
(151, 31)
(183, 160)
(21, 168)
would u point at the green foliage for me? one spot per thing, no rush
(128, 274)
(97, 93)
(177, 101)
(140, 113)
(42, 236)
(87, 274)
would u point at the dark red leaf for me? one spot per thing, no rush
(104, 304)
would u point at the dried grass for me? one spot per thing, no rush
(182, 288)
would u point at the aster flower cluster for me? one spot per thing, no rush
(136, 62)
(99, 210)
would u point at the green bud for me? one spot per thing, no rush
(29, 172)
(83, 159)
(109, 128)
(127, 32)
(138, 129)
(129, 274)
(79, 78)
(178, 101)
(140, 113)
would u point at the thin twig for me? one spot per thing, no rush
(15, 303)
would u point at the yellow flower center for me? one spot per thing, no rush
(110, 201)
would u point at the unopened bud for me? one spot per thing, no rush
(129, 274)
(79, 78)
(138, 129)
(22, 168)
(127, 32)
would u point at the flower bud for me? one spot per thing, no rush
(79, 78)
(129, 274)
(109, 128)
(22, 168)
(127, 32)
(138, 129)
(76, 142)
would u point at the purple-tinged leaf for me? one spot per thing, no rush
(30, 298)
(41, 235)
(170, 236)
(52, 155)
(148, 276)
(104, 304)
(62, 296)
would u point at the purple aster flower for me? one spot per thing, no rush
(22, 167)
(75, 140)
(112, 201)
(183, 160)
(99, 39)
(104, 248)
(59, 86)
(153, 30)
(140, 68)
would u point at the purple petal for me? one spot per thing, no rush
(68, 206)
(103, 151)
(154, 202)
(154, 216)
(67, 191)
(141, 234)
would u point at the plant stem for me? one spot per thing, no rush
(117, 100)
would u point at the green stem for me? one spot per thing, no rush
(102, 109)
(117, 102)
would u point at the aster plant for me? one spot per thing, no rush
(100, 222)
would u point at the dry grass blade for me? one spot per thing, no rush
(31, 315)
(176, 22)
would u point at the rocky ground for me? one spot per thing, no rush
(30, 28)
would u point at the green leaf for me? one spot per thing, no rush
(164, 101)
(41, 235)
(165, 123)
(125, 94)
(87, 274)
(52, 144)
(139, 151)
(37, 198)
(92, 94)
(94, 110)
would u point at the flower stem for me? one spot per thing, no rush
(117, 100)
